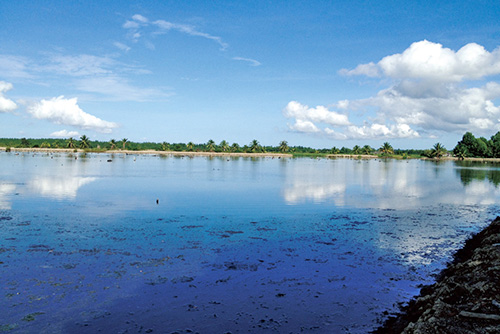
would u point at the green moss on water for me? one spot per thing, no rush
(7, 328)
(31, 316)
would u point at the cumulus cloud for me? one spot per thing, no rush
(139, 23)
(66, 111)
(65, 134)
(6, 105)
(432, 89)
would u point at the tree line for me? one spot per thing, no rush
(469, 146)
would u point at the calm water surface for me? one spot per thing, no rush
(233, 245)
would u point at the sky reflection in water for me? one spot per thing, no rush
(263, 244)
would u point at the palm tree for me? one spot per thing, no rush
(438, 150)
(190, 146)
(356, 150)
(84, 142)
(235, 147)
(224, 146)
(113, 144)
(71, 143)
(386, 149)
(335, 150)
(284, 146)
(254, 145)
(367, 149)
(124, 142)
(461, 153)
(165, 146)
(211, 145)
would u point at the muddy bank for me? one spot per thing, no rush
(466, 296)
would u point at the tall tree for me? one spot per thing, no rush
(284, 146)
(438, 151)
(190, 146)
(211, 145)
(356, 149)
(84, 142)
(367, 149)
(235, 147)
(112, 143)
(224, 146)
(70, 143)
(124, 142)
(254, 146)
(386, 149)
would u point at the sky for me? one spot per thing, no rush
(313, 73)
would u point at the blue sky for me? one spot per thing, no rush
(316, 73)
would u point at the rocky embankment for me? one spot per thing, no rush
(466, 296)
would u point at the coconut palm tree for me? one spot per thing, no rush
(71, 143)
(211, 145)
(84, 142)
(386, 149)
(254, 145)
(460, 152)
(367, 149)
(190, 146)
(112, 142)
(335, 150)
(235, 147)
(224, 145)
(284, 146)
(124, 142)
(165, 146)
(438, 150)
(356, 149)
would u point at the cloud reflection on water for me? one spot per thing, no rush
(64, 187)
(384, 185)
(5, 191)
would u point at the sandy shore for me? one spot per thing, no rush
(153, 152)
(227, 154)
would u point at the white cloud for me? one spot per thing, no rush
(304, 126)
(252, 62)
(6, 105)
(66, 111)
(139, 23)
(122, 46)
(140, 18)
(319, 114)
(432, 90)
(80, 65)
(116, 88)
(14, 67)
(65, 134)
(190, 30)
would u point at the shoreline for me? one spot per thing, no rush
(152, 152)
(238, 154)
(465, 297)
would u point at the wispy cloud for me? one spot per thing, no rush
(59, 110)
(138, 23)
(15, 67)
(122, 46)
(432, 89)
(252, 62)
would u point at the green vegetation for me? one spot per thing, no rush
(472, 147)
(469, 146)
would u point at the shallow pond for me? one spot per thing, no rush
(149, 244)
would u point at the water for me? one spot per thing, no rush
(233, 245)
